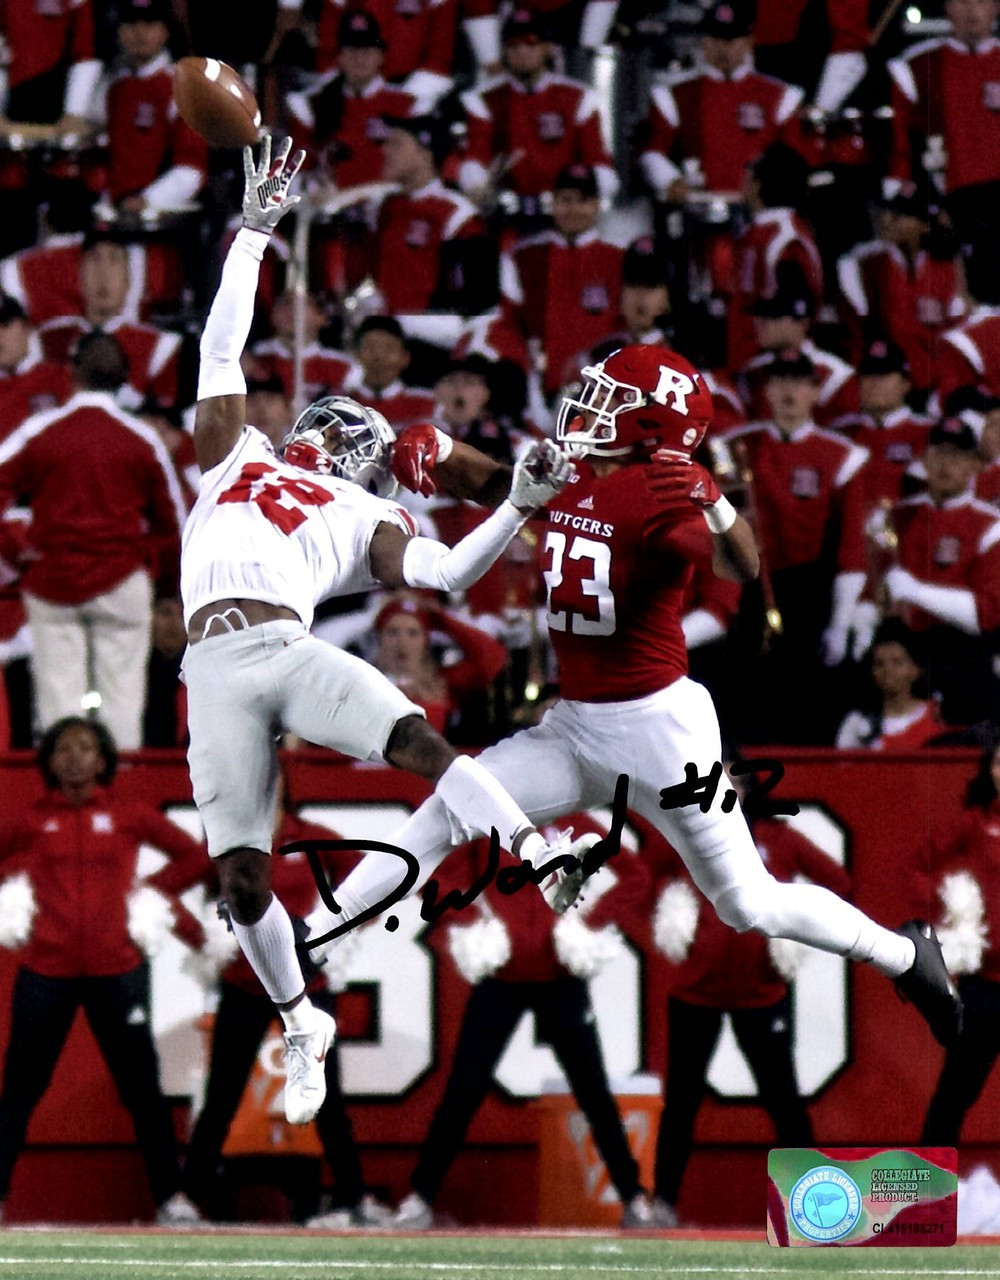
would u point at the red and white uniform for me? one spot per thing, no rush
(262, 530)
(551, 126)
(944, 88)
(103, 494)
(954, 545)
(494, 336)
(777, 22)
(912, 303)
(908, 732)
(774, 237)
(81, 860)
(725, 122)
(729, 410)
(151, 151)
(45, 281)
(324, 368)
(402, 406)
(838, 387)
(40, 34)
(563, 295)
(34, 386)
(801, 483)
(894, 444)
(419, 35)
(153, 354)
(413, 235)
(724, 969)
(349, 123)
(970, 354)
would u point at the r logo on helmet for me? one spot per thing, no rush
(673, 383)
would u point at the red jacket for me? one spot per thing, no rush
(970, 354)
(81, 861)
(553, 125)
(401, 405)
(104, 498)
(34, 386)
(146, 136)
(801, 483)
(943, 88)
(838, 387)
(777, 22)
(729, 970)
(563, 295)
(724, 122)
(43, 34)
(349, 124)
(153, 354)
(971, 844)
(912, 303)
(324, 367)
(419, 35)
(893, 444)
(413, 235)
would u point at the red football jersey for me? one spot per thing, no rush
(802, 482)
(616, 563)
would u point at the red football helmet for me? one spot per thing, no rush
(639, 399)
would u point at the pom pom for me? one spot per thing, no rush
(217, 952)
(963, 933)
(150, 919)
(787, 956)
(17, 911)
(479, 949)
(582, 950)
(676, 920)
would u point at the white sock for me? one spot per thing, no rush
(426, 834)
(300, 1018)
(479, 802)
(269, 946)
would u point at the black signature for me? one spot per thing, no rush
(512, 879)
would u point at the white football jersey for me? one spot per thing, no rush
(263, 530)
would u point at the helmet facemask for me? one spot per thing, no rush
(337, 436)
(587, 421)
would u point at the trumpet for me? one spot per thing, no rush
(883, 552)
(731, 467)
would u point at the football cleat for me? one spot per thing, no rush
(305, 1068)
(564, 887)
(927, 985)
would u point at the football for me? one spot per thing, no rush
(215, 102)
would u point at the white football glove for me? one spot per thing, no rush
(542, 472)
(265, 193)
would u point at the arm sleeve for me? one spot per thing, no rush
(431, 564)
(228, 325)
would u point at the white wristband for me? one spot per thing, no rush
(445, 444)
(720, 516)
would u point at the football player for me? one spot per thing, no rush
(619, 543)
(264, 542)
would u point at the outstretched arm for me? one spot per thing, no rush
(222, 389)
(425, 460)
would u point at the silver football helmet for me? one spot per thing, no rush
(337, 436)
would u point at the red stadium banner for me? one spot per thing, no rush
(865, 1060)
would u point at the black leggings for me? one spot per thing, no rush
(117, 1009)
(241, 1022)
(565, 1020)
(966, 1066)
(765, 1036)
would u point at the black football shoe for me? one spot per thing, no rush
(928, 986)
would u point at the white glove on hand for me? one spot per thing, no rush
(834, 645)
(863, 624)
(541, 473)
(265, 193)
(901, 585)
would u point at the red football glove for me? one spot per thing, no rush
(414, 456)
(674, 482)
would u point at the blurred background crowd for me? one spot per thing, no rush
(801, 198)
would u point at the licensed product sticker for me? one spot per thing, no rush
(862, 1196)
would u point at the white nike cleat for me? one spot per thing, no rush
(305, 1068)
(563, 888)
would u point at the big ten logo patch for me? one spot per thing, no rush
(819, 997)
